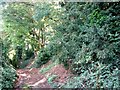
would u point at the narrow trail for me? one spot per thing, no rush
(34, 79)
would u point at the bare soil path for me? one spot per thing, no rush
(34, 79)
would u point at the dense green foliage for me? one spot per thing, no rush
(85, 37)
(89, 33)
(42, 58)
(31, 35)
(7, 72)
(17, 15)
(98, 75)
(8, 76)
(83, 40)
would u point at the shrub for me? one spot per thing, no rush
(43, 57)
(97, 75)
(29, 54)
(90, 34)
(96, 47)
(7, 72)
(24, 63)
(8, 76)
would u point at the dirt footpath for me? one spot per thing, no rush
(34, 79)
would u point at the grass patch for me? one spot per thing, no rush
(44, 70)
(26, 87)
(51, 78)
(50, 81)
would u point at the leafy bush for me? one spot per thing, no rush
(8, 76)
(7, 72)
(29, 54)
(88, 38)
(87, 35)
(24, 63)
(43, 57)
(96, 47)
(98, 75)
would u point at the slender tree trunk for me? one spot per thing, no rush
(42, 38)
